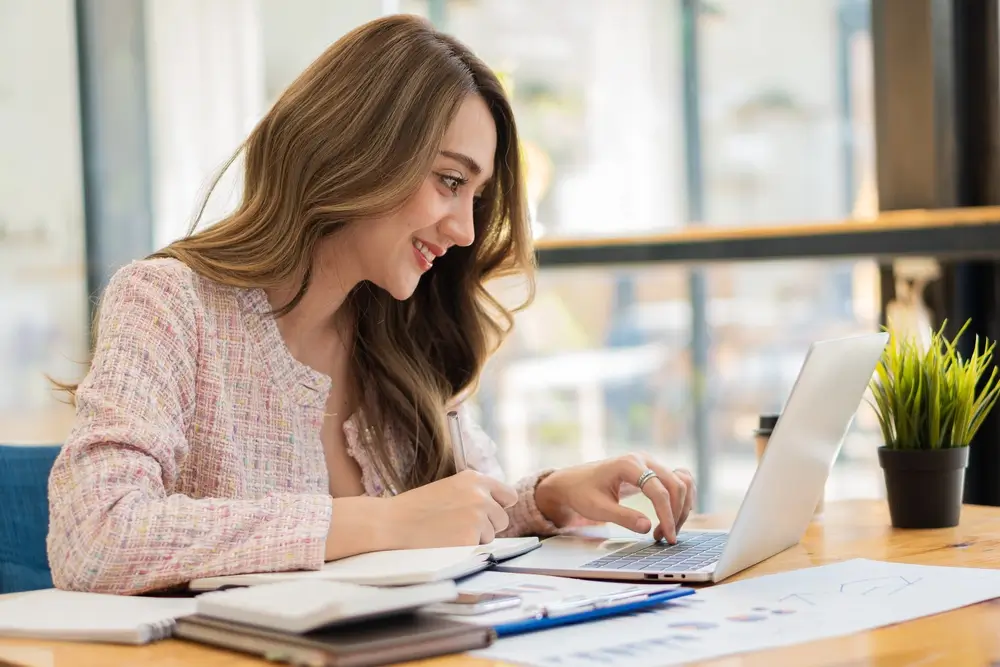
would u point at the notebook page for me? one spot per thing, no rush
(508, 547)
(378, 568)
(374, 566)
(415, 561)
(386, 568)
(74, 616)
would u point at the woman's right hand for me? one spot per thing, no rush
(468, 508)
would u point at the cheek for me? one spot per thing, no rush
(425, 209)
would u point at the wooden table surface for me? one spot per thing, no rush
(852, 529)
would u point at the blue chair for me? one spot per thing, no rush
(24, 516)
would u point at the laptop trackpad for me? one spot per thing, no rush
(570, 551)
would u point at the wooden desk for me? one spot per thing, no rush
(853, 529)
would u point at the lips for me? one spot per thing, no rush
(425, 250)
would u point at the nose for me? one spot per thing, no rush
(460, 228)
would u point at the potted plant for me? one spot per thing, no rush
(930, 401)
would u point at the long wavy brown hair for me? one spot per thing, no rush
(352, 138)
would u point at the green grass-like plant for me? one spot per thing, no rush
(931, 399)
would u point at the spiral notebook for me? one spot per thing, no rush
(91, 617)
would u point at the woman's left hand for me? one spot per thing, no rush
(592, 491)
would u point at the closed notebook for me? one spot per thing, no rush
(382, 641)
(304, 605)
(403, 567)
(90, 617)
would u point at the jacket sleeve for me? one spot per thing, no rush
(114, 525)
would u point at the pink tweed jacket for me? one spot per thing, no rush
(196, 451)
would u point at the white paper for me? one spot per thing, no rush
(755, 614)
(539, 590)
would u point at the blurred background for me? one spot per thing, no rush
(641, 119)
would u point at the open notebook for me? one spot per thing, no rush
(404, 567)
(91, 617)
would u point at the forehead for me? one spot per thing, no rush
(473, 133)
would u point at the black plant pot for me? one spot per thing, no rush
(924, 487)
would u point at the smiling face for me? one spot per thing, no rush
(395, 251)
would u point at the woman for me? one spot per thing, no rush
(270, 393)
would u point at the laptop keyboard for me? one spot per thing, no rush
(693, 551)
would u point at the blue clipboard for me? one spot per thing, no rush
(534, 624)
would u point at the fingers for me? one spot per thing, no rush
(656, 490)
(688, 490)
(487, 533)
(672, 493)
(607, 509)
(504, 494)
(677, 493)
(498, 517)
(687, 478)
(493, 497)
(630, 470)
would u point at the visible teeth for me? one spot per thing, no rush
(424, 250)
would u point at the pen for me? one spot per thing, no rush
(457, 443)
(583, 604)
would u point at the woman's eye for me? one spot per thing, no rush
(453, 183)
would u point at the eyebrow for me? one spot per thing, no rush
(464, 159)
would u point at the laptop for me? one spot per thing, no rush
(777, 507)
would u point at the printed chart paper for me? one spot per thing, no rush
(765, 612)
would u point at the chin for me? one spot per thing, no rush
(402, 295)
(401, 289)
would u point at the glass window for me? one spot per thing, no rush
(765, 103)
(42, 278)
(785, 110)
(601, 365)
(595, 87)
(637, 116)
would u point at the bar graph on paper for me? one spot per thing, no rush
(756, 614)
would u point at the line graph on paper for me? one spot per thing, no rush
(870, 588)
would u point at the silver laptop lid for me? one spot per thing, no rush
(792, 473)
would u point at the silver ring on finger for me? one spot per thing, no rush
(645, 477)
